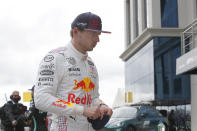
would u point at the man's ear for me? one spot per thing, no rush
(75, 31)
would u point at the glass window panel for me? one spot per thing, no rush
(145, 14)
(136, 17)
(169, 13)
(158, 77)
(139, 73)
(128, 22)
(169, 86)
(166, 72)
(177, 86)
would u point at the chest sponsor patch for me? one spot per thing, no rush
(71, 60)
(45, 79)
(85, 100)
(49, 66)
(48, 58)
(73, 69)
(74, 74)
(46, 72)
(86, 84)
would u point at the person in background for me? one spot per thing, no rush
(67, 84)
(37, 117)
(14, 114)
(172, 120)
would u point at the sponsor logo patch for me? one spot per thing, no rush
(44, 84)
(73, 69)
(85, 100)
(48, 58)
(46, 72)
(65, 103)
(71, 60)
(50, 66)
(90, 63)
(74, 74)
(45, 79)
(86, 84)
(92, 70)
(59, 105)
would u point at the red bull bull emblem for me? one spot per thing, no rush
(86, 84)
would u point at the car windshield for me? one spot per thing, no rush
(149, 110)
(124, 112)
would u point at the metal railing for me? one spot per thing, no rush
(188, 37)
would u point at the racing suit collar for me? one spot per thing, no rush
(77, 53)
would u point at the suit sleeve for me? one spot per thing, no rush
(8, 111)
(50, 73)
(96, 99)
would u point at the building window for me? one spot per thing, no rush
(177, 86)
(136, 18)
(169, 13)
(166, 73)
(145, 14)
(128, 22)
(196, 8)
(168, 85)
(140, 75)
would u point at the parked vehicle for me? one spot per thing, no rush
(135, 118)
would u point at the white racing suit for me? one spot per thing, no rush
(67, 82)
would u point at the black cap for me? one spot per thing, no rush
(98, 123)
(88, 21)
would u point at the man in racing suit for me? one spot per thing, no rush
(67, 82)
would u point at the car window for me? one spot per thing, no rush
(125, 112)
(149, 111)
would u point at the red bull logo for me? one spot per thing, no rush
(86, 84)
(59, 105)
(62, 103)
(85, 100)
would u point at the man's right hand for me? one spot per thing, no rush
(92, 112)
(14, 122)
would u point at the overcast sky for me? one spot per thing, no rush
(29, 29)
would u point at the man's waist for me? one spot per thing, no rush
(70, 119)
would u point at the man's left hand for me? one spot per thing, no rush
(105, 110)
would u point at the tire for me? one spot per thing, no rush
(130, 128)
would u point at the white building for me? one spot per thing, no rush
(153, 43)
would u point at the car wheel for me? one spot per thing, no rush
(130, 128)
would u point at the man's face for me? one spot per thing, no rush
(88, 39)
(16, 95)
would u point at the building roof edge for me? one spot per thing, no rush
(146, 36)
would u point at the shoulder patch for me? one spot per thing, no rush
(90, 63)
(58, 50)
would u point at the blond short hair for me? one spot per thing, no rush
(15, 92)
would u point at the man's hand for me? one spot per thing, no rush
(14, 122)
(92, 112)
(105, 110)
